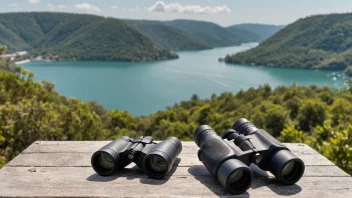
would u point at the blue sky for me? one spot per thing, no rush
(223, 12)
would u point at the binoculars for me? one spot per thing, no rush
(227, 158)
(156, 159)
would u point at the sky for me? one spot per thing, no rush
(222, 12)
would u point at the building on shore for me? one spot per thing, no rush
(14, 55)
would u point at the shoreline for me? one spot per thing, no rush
(23, 62)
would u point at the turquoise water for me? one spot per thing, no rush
(143, 88)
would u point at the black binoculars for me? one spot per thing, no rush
(227, 158)
(156, 159)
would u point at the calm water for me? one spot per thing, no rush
(142, 88)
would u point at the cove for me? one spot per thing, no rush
(143, 88)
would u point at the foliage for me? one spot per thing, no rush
(190, 35)
(316, 42)
(318, 116)
(262, 31)
(210, 33)
(167, 36)
(60, 36)
(6, 64)
(291, 134)
(333, 142)
(348, 71)
(77, 37)
(31, 111)
(245, 35)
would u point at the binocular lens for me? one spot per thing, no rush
(235, 176)
(287, 168)
(158, 164)
(239, 180)
(103, 163)
(106, 161)
(292, 172)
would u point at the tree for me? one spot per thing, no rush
(311, 114)
(6, 64)
(291, 134)
(318, 116)
(3, 48)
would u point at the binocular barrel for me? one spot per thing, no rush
(161, 157)
(282, 163)
(228, 158)
(244, 126)
(155, 159)
(216, 155)
(107, 159)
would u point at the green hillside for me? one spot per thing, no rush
(245, 35)
(261, 30)
(210, 33)
(77, 36)
(317, 42)
(167, 36)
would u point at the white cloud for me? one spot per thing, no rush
(12, 5)
(34, 1)
(61, 6)
(88, 7)
(114, 7)
(160, 6)
(53, 7)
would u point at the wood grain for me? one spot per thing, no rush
(83, 159)
(91, 146)
(62, 169)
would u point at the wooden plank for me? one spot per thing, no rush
(197, 170)
(83, 182)
(91, 146)
(54, 153)
(62, 169)
(310, 171)
(83, 159)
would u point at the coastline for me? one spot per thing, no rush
(22, 61)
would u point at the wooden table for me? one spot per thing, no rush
(63, 169)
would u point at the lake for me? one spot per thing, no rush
(143, 88)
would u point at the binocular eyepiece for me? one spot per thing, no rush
(227, 158)
(156, 159)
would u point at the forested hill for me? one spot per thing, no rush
(167, 36)
(210, 33)
(77, 36)
(89, 37)
(245, 35)
(316, 42)
(262, 31)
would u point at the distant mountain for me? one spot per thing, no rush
(77, 36)
(210, 33)
(245, 35)
(261, 30)
(167, 36)
(316, 42)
